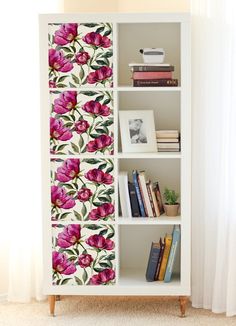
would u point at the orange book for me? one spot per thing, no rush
(168, 241)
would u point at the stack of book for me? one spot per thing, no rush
(139, 198)
(168, 140)
(152, 74)
(162, 257)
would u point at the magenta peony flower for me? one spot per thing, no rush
(66, 102)
(58, 62)
(66, 34)
(58, 131)
(98, 241)
(84, 194)
(82, 58)
(85, 260)
(99, 75)
(99, 143)
(96, 108)
(69, 170)
(59, 198)
(70, 235)
(81, 126)
(103, 277)
(97, 39)
(52, 84)
(61, 264)
(99, 176)
(101, 211)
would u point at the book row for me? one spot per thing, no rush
(162, 257)
(140, 198)
(168, 140)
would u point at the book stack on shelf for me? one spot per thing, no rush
(140, 198)
(168, 140)
(162, 257)
(153, 74)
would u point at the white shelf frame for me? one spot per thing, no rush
(122, 287)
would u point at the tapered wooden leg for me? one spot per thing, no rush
(52, 301)
(183, 302)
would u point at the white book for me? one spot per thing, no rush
(167, 134)
(167, 140)
(144, 192)
(132, 64)
(124, 194)
(168, 145)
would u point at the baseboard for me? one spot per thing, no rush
(3, 297)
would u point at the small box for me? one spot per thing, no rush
(153, 55)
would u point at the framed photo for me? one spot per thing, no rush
(137, 131)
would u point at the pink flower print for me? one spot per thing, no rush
(66, 34)
(66, 102)
(81, 126)
(103, 277)
(99, 242)
(96, 108)
(58, 62)
(98, 176)
(85, 260)
(84, 194)
(99, 75)
(58, 131)
(102, 211)
(61, 264)
(59, 198)
(70, 235)
(97, 40)
(69, 170)
(99, 143)
(82, 58)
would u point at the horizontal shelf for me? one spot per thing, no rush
(161, 220)
(134, 277)
(148, 89)
(159, 155)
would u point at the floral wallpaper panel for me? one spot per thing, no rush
(83, 254)
(80, 55)
(82, 189)
(81, 122)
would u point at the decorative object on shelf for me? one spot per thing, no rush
(153, 55)
(171, 205)
(168, 140)
(80, 55)
(137, 131)
(152, 74)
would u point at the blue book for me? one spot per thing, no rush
(153, 261)
(173, 252)
(138, 193)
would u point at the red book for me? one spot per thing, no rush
(152, 75)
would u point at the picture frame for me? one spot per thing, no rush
(137, 130)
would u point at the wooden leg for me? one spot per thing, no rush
(183, 302)
(52, 301)
(58, 298)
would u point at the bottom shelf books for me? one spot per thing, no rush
(162, 257)
(140, 198)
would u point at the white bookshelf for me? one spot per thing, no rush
(172, 110)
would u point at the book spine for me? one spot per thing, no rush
(152, 262)
(164, 261)
(150, 198)
(144, 193)
(124, 195)
(137, 190)
(133, 201)
(152, 75)
(159, 199)
(152, 68)
(162, 247)
(172, 255)
(155, 82)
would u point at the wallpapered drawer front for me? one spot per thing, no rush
(81, 122)
(82, 189)
(80, 55)
(83, 254)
